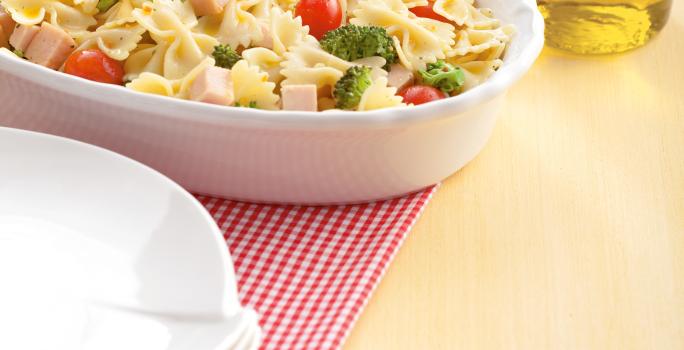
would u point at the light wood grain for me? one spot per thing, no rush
(567, 232)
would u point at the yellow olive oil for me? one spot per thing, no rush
(602, 26)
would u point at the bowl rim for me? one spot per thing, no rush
(172, 108)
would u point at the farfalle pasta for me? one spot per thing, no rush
(301, 55)
(477, 41)
(309, 64)
(464, 13)
(116, 39)
(169, 24)
(241, 23)
(267, 60)
(285, 31)
(251, 86)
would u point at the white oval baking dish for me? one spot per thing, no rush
(284, 157)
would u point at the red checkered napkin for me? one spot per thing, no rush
(309, 271)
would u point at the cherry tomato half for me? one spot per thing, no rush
(427, 12)
(96, 66)
(419, 94)
(321, 16)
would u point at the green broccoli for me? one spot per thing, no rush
(443, 76)
(225, 56)
(104, 5)
(352, 42)
(251, 104)
(19, 53)
(349, 89)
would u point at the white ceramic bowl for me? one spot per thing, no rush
(100, 252)
(264, 156)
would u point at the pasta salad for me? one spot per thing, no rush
(302, 55)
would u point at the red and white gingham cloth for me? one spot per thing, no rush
(309, 271)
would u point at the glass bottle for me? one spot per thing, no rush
(603, 26)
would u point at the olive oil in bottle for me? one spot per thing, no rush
(602, 26)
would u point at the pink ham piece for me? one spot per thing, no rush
(399, 76)
(50, 47)
(214, 85)
(299, 98)
(23, 36)
(208, 7)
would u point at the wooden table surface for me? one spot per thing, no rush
(567, 232)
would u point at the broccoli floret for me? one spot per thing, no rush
(443, 76)
(350, 88)
(251, 104)
(225, 56)
(352, 42)
(19, 53)
(104, 5)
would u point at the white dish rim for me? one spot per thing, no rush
(106, 94)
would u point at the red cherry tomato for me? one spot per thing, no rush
(96, 66)
(321, 16)
(419, 94)
(427, 12)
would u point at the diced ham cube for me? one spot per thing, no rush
(214, 85)
(208, 7)
(299, 98)
(399, 76)
(6, 22)
(22, 36)
(50, 47)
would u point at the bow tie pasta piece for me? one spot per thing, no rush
(476, 72)
(379, 96)
(70, 19)
(27, 12)
(183, 49)
(164, 19)
(309, 64)
(285, 31)
(116, 40)
(252, 86)
(145, 58)
(267, 60)
(464, 13)
(348, 6)
(242, 22)
(152, 83)
(418, 40)
(486, 44)
(184, 54)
